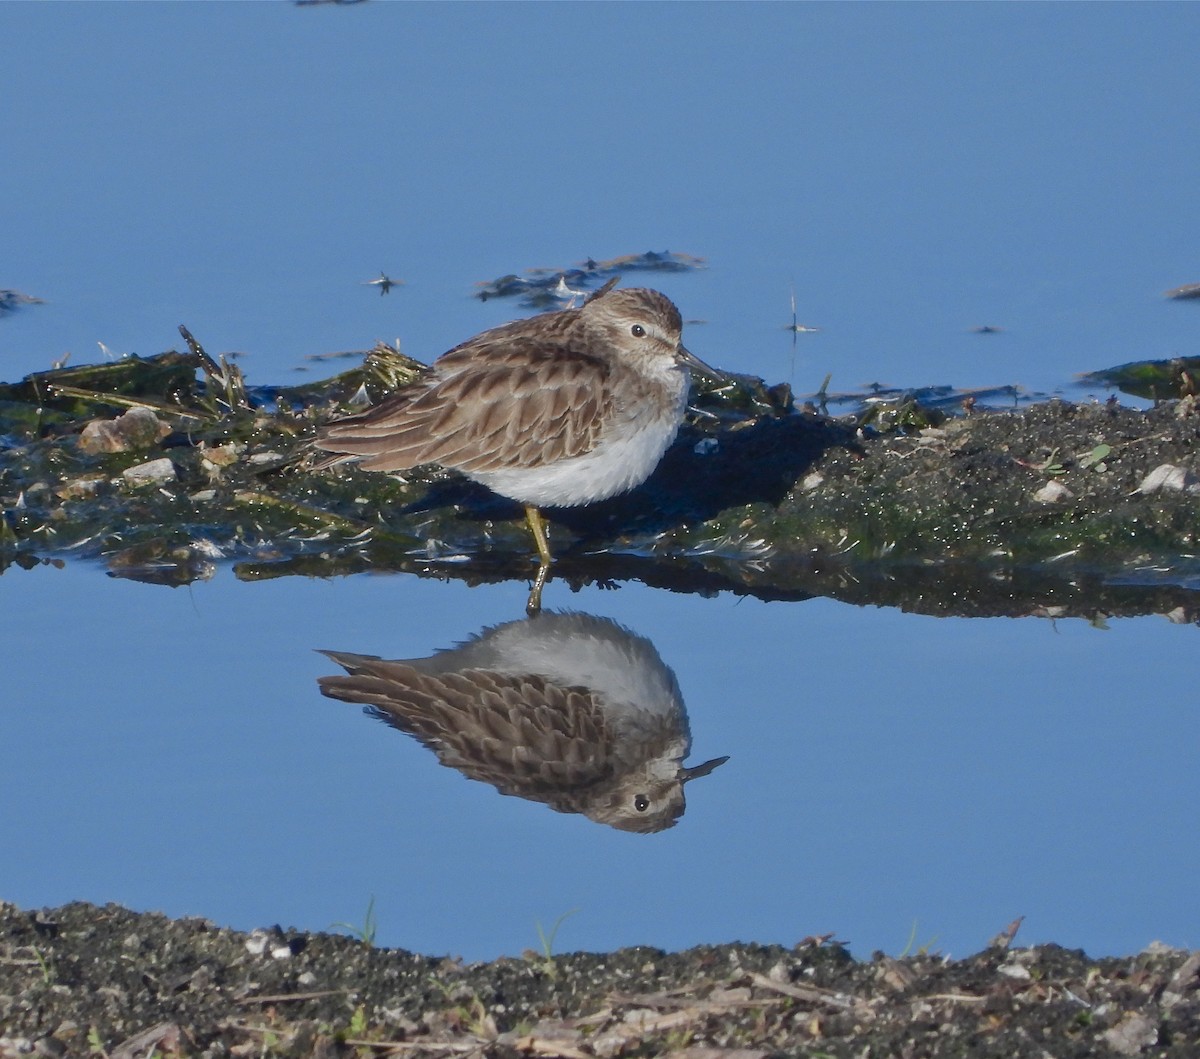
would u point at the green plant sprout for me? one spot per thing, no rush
(365, 933)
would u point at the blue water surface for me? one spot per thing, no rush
(910, 172)
(169, 749)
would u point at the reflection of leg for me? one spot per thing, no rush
(537, 526)
(534, 606)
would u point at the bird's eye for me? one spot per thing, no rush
(638, 331)
(641, 803)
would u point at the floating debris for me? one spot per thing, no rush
(345, 354)
(385, 283)
(650, 261)
(795, 326)
(986, 329)
(947, 400)
(1186, 292)
(547, 289)
(12, 300)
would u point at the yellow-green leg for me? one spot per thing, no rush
(537, 526)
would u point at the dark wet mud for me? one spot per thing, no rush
(166, 467)
(105, 981)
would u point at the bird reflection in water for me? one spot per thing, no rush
(566, 709)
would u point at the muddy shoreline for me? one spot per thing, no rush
(90, 980)
(165, 469)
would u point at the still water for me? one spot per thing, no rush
(890, 775)
(897, 176)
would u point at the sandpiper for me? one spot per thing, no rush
(570, 710)
(560, 410)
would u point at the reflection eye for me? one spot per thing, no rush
(638, 331)
(641, 803)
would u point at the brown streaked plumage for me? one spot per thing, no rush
(569, 710)
(559, 410)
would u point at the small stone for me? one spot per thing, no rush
(223, 455)
(1131, 1035)
(1161, 948)
(80, 488)
(1184, 981)
(256, 943)
(139, 428)
(1170, 478)
(161, 470)
(1052, 492)
(1014, 970)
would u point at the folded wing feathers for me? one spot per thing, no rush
(511, 413)
(522, 734)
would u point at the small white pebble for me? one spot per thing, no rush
(779, 972)
(161, 470)
(256, 944)
(1052, 492)
(1170, 478)
(1014, 970)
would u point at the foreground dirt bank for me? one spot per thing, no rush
(85, 980)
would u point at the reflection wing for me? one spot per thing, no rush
(522, 734)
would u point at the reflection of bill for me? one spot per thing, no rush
(570, 710)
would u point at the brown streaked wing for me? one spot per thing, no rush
(522, 734)
(527, 404)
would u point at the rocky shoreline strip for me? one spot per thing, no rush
(105, 981)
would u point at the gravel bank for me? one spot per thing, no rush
(85, 980)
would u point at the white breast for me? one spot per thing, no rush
(627, 453)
